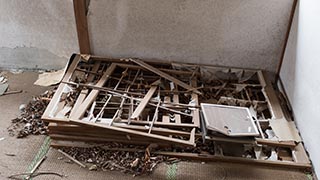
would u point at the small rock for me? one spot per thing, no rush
(93, 168)
(22, 107)
(135, 163)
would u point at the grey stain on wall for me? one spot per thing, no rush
(30, 58)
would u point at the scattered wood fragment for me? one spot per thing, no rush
(72, 159)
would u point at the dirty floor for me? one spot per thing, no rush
(17, 155)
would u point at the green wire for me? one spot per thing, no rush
(172, 172)
(41, 153)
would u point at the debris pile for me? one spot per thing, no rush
(187, 111)
(29, 121)
(190, 112)
(102, 158)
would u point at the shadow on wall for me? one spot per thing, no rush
(288, 70)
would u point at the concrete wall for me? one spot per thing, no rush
(36, 34)
(300, 74)
(240, 33)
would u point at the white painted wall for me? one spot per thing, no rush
(238, 33)
(37, 33)
(42, 33)
(300, 74)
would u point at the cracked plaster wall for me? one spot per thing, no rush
(36, 34)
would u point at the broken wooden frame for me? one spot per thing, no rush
(116, 108)
(104, 101)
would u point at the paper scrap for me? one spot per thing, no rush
(3, 88)
(50, 78)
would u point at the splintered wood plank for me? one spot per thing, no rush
(192, 135)
(144, 102)
(94, 93)
(164, 75)
(55, 99)
(82, 25)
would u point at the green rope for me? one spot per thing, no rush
(41, 153)
(172, 171)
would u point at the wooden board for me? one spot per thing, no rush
(136, 133)
(82, 26)
(94, 93)
(144, 102)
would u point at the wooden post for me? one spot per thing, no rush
(82, 25)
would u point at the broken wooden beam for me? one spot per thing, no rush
(164, 75)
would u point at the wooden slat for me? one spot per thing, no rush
(208, 158)
(84, 92)
(300, 154)
(102, 132)
(289, 144)
(165, 119)
(94, 93)
(270, 94)
(164, 75)
(82, 26)
(185, 125)
(136, 133)
(171, 71)
(177, 117)
(144, 102)
(79, 101)
(196, 111)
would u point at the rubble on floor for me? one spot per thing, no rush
(102, 158)
(4, 86)
(29, 121)
(135, 104)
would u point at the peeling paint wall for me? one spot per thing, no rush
(36, 34)
(301, 76)
(239, 33)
